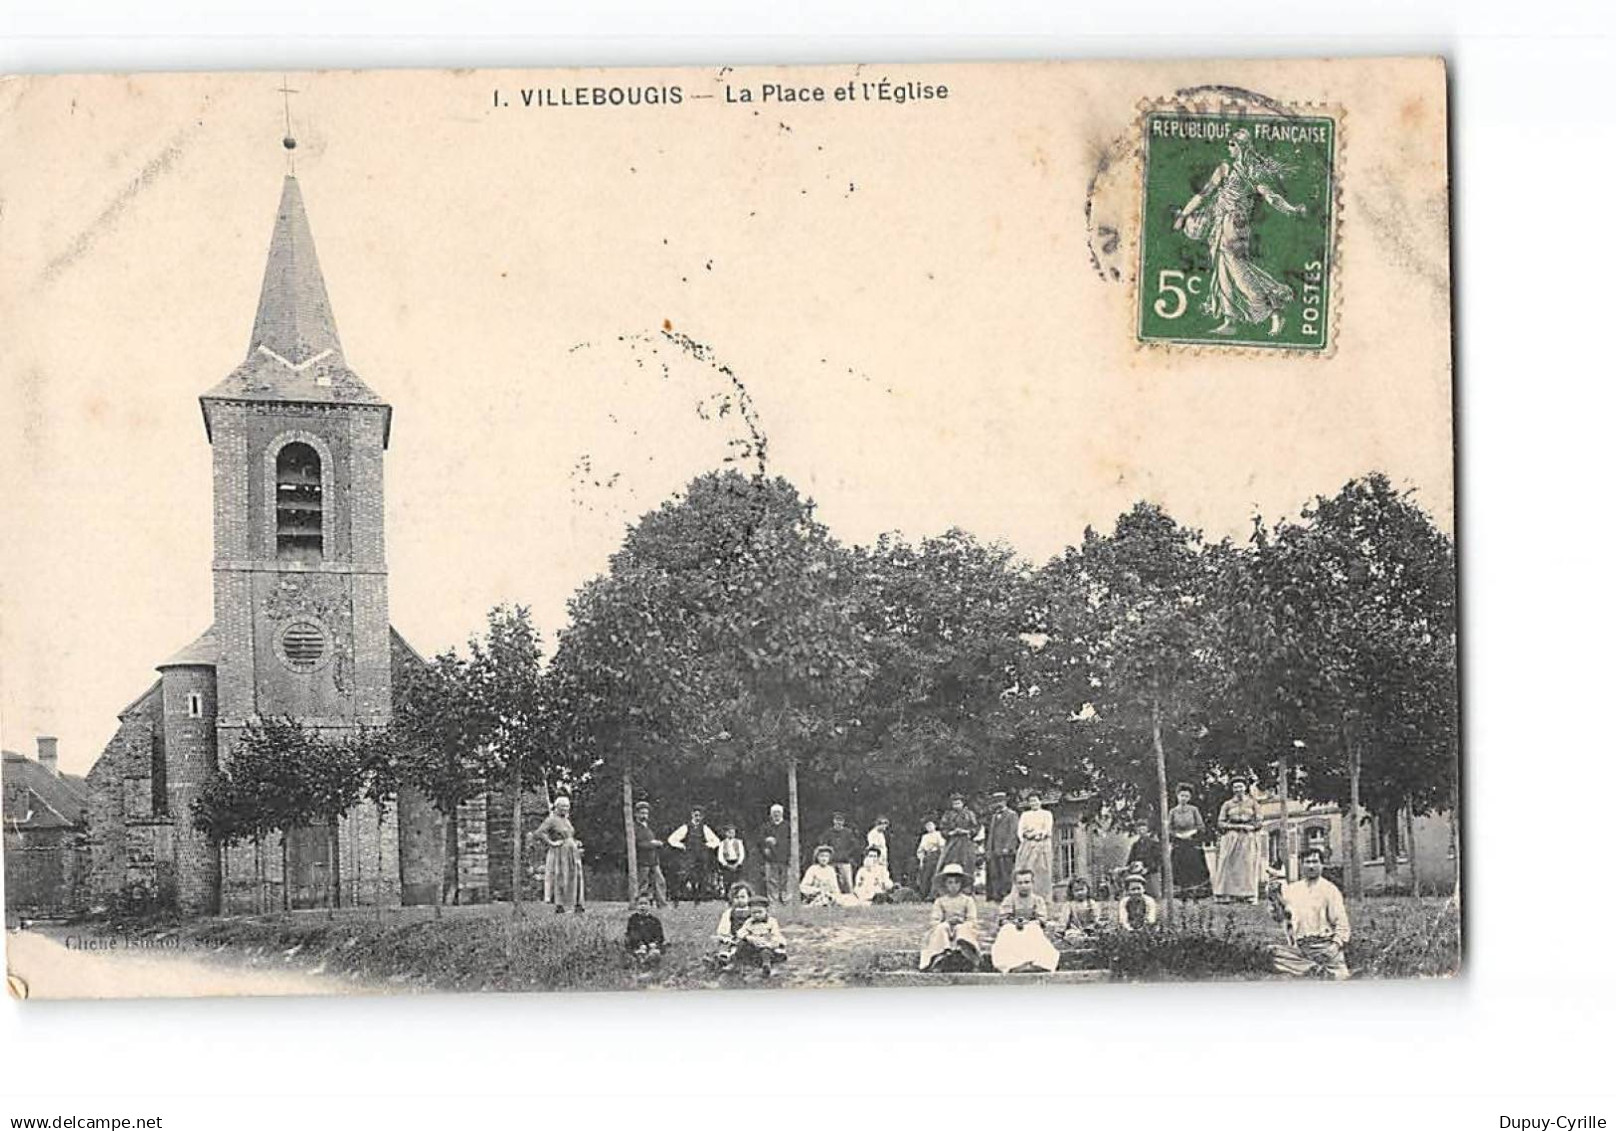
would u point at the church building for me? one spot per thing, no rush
(300, 631)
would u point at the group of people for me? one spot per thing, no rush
(1015, 849)
(747, 937)
(1032, 933)
(1240, 865)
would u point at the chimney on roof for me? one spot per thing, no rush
(47, 753)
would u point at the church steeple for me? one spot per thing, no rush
(295, 355)
(294, 320)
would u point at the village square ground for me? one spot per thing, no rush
(490, 948)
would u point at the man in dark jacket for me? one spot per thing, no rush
(1001, 842)
(845, 847)
(776, 850)
(648, 857)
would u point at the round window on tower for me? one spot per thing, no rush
(302, 646)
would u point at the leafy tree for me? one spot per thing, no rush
(1134, 616)
(621, 685)
(279, 778)
(1375, 597)
(723, 636)
(946, 622)
(440, 749)
(510, 712)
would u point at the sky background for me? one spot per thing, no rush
(906, 292)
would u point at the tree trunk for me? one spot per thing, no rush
(1285, 816)
(1454, 831)
(381, 824)
(1391, 820)
(796, 832)
(258, 875)
(1413, 856)
(224, 879)
(1161, 804)
(516, 836)
(286, 872)
(632, 854)
(450, 879)
(1354, 821)
(334, 836)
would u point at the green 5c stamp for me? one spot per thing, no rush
(1237, 231)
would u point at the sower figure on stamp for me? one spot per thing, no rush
(1002, 841)
(1220, 216)
(1316, 927)
(649, 879)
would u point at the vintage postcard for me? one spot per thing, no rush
(737, 526)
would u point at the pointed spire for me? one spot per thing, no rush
(294, 321)
(295, 355)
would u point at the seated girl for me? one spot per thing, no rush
(1021, 945)
(874, 883)
(1080, 917)
(952, 944)
(820, 887)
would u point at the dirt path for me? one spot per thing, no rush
(62, 964)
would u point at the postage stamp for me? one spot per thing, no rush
(1237, 229)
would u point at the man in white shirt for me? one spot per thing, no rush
(1316, 927)
(697, 844)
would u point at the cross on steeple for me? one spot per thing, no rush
(288, 141)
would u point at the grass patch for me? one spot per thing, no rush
(487, 948)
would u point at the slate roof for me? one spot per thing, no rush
(295, 353)
(201, 652)
(58, 800)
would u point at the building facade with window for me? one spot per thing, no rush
(300, 630)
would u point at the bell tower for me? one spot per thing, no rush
(299, 554)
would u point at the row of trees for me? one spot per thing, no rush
(735, 649)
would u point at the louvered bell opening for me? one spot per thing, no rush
(303, 645)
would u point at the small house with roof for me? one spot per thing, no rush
(44, 845)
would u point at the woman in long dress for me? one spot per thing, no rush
(1035, 853)
(1220, 216)
(1187, 827)
(1239, 848)
(959, 828)
(929, 857)
(952, 944)
(563, 862)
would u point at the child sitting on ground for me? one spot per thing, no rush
(1080, 917)
(758, 941)
(729, 923)
(643, 939)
